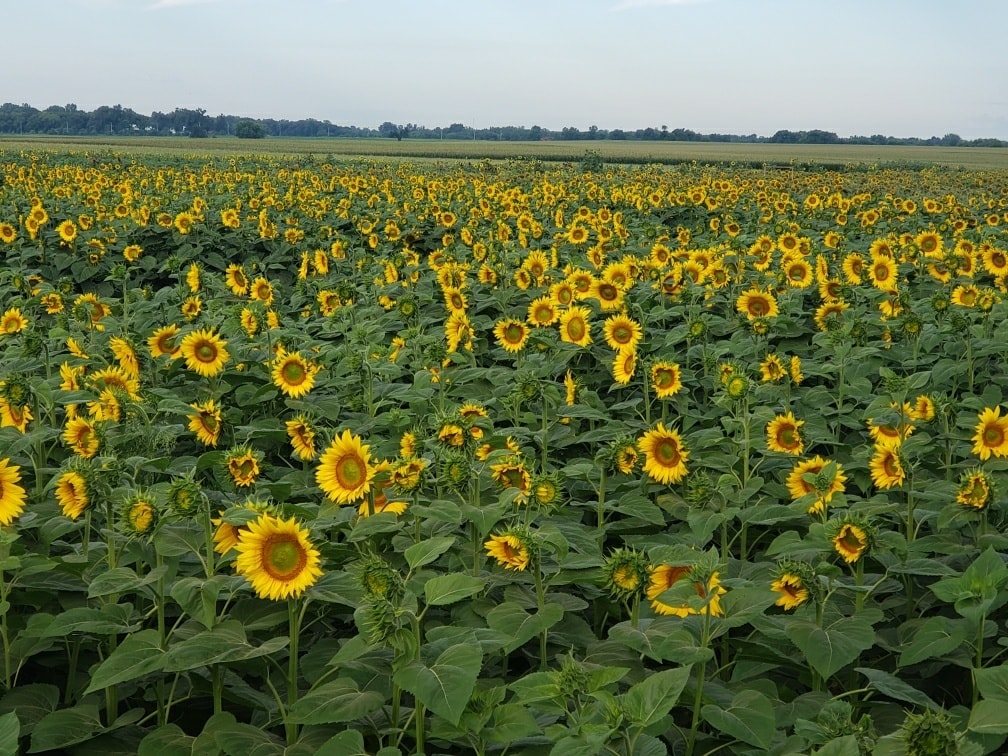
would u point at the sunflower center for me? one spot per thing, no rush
(881, 272)
(664, 378)
(850, 540)
(576, 328)
(622, 334)
(205, 352)
(283, 557)
(891, 466)
(209, 421)
(351, 471)
(293, 373)
(513, 333)
(993, 436)
(667, 452)
(608, 292)
(758, 306)
(787, 437)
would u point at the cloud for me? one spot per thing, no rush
(163, 4)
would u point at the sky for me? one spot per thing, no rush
(905, 68)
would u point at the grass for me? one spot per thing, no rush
(793, 156)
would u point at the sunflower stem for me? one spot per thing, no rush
(858, 582)
(601, 506)
(541, 605)
(978, 659)
(294, 615)
(698, 695)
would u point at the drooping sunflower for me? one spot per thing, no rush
(302, 438)
(511, 335)
(665, 455)
(511, 473)
(664, 576)
(345, 472)
(575, 326)
(242, 465)
(975, 489)
(991, 434)
(293, 374)
(191, 307)
(277, 558)
(124, 353)
(81, 436)
(783, 434)
(12, 496)
(14, 415)
(850, 542)
(666, 379)
(193, 278)
(510, 551)
(206, 422)
(72, 494)
(12, 321)
(886, 467)
(164, 342)
(824, 487)
(205, 352)
(772, 369)
(458, 332)
(792, 590)
(754, 303)
(622, 332)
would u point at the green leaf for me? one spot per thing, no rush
(892, 686)
(198, 597)
(337, 587)
(31, 703)
(334, 702)
(10, 731)
(989, 717)
(647, 702)
(223, 643)
(993, 682)
(661, 639)
(122, 580)
(831, 648)
(138, 655)
(106, 620)
(935, 637)
(239, 739)
(750, 718)
(427, 551)
(65, 727)
(347, 743)
(510, 722)
(447, 589)
(169, 740)
(446, 686)
(519, 625)
(845, 746)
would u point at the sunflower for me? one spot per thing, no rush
(783, 434)
(882, 272)
(822, 485)
(510, 551)
(236, 280)
(622, 332)
(609, 294)
(455, 299)
(191, 307)
(344, 472)
(570, 388)
(666, 379)
(458, 332)
(52, 302)
(12, 321)
(451, 434)
(277, 558)
(293, 374)
(511, 473)
(563, 293)
(772, 369)
(995, 261)
(797, 272)
(850, 542)
(624, 366)
(163, 342)
(124, 353)
(754, 303)
(206, 422)
(965, 296)
(511, 335)
(829, 312)
(193, 278)
(15, 415)
(139, 514)
(262, 290)
(991, 435)
(67, 231)
(204, 352)
(81, 436)
(115, 378)
(72, 495)
(243, 466)
(792, 590)
(886, 467)
(543, 312)
(302, 438)
(12, 496)
(975, 489)
(575, 327)
(665, 455)
(929, 243)
(626, 457)
(891, 436)
(7, 233)
(664, 576)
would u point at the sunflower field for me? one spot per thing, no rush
(374, 457)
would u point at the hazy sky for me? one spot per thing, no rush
(894, 67)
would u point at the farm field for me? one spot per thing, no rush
(504, 452)
(803, 156)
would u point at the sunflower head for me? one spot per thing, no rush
(277, 557)
(185, 497)
(853, 537)
(547, 490)
(139, 514)
(626, 573)
(379, 579)
(929, 733)
(795, 583)
(514, 548)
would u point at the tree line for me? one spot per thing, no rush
(196, 123)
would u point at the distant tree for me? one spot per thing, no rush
(617, 134)
(785, 137)
(536, 133)
(246, 128)
(951, 140)
(398, 131)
